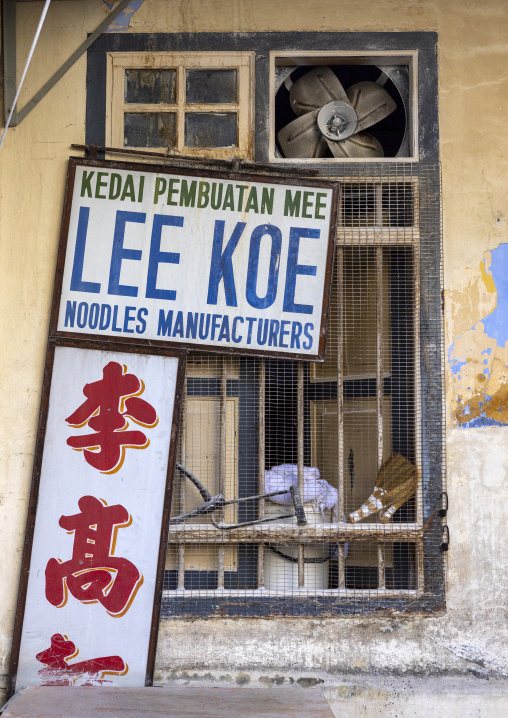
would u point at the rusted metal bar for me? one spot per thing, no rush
(301, 565)
(399, 236)
(220, 572)
(181, 566)
(325, 592)
(341, 565)
(381, 566)
(308, 533)
(238, 164)
(420, 582)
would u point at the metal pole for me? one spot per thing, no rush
(29, 59)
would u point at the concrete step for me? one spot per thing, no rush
(174, 702)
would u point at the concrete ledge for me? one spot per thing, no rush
(348, 696)
(425, 697)
(174, 702)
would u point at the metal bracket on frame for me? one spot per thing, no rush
(9, 59)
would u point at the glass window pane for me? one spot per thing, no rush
(210, 130)
(151, 87)
(149, 129)
(210, 86)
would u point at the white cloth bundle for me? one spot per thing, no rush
(317, 490)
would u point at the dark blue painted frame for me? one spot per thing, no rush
(431, 348)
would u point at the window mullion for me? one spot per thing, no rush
(180, 115)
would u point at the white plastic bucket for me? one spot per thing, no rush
(281, 574)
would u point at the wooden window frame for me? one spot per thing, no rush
(242, 62)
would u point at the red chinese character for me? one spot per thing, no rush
(93, 574)
(59, 672)
(109, 401)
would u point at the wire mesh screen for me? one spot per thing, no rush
(311, 488)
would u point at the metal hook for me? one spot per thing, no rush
(444, 501)
(446, 538)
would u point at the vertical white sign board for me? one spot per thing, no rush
(97, 532)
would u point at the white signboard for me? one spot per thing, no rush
(103, 485)
(229, 264)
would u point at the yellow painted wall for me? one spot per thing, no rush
(473, 97)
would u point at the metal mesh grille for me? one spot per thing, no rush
(360, 435)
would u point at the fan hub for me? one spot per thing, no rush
(337, 120)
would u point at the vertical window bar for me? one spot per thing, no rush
(261, 464)
(381, 565)
(181, 566)
(300, 405)
(420, 584)
(181, 484)
(379, 384)
(341, 561)
(378, 189)
(222, 458)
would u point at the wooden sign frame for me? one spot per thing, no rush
(53, 345)
(283, 334)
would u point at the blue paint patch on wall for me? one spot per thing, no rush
(495, 324)
(481, 421)
(456, 364)
(478, 359)
(122, 22)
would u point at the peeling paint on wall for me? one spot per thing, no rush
(122, 22)
(478, 358)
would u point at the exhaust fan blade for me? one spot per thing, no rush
(302, 138)
(358, 146)
(315, 89)
(371, 102)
